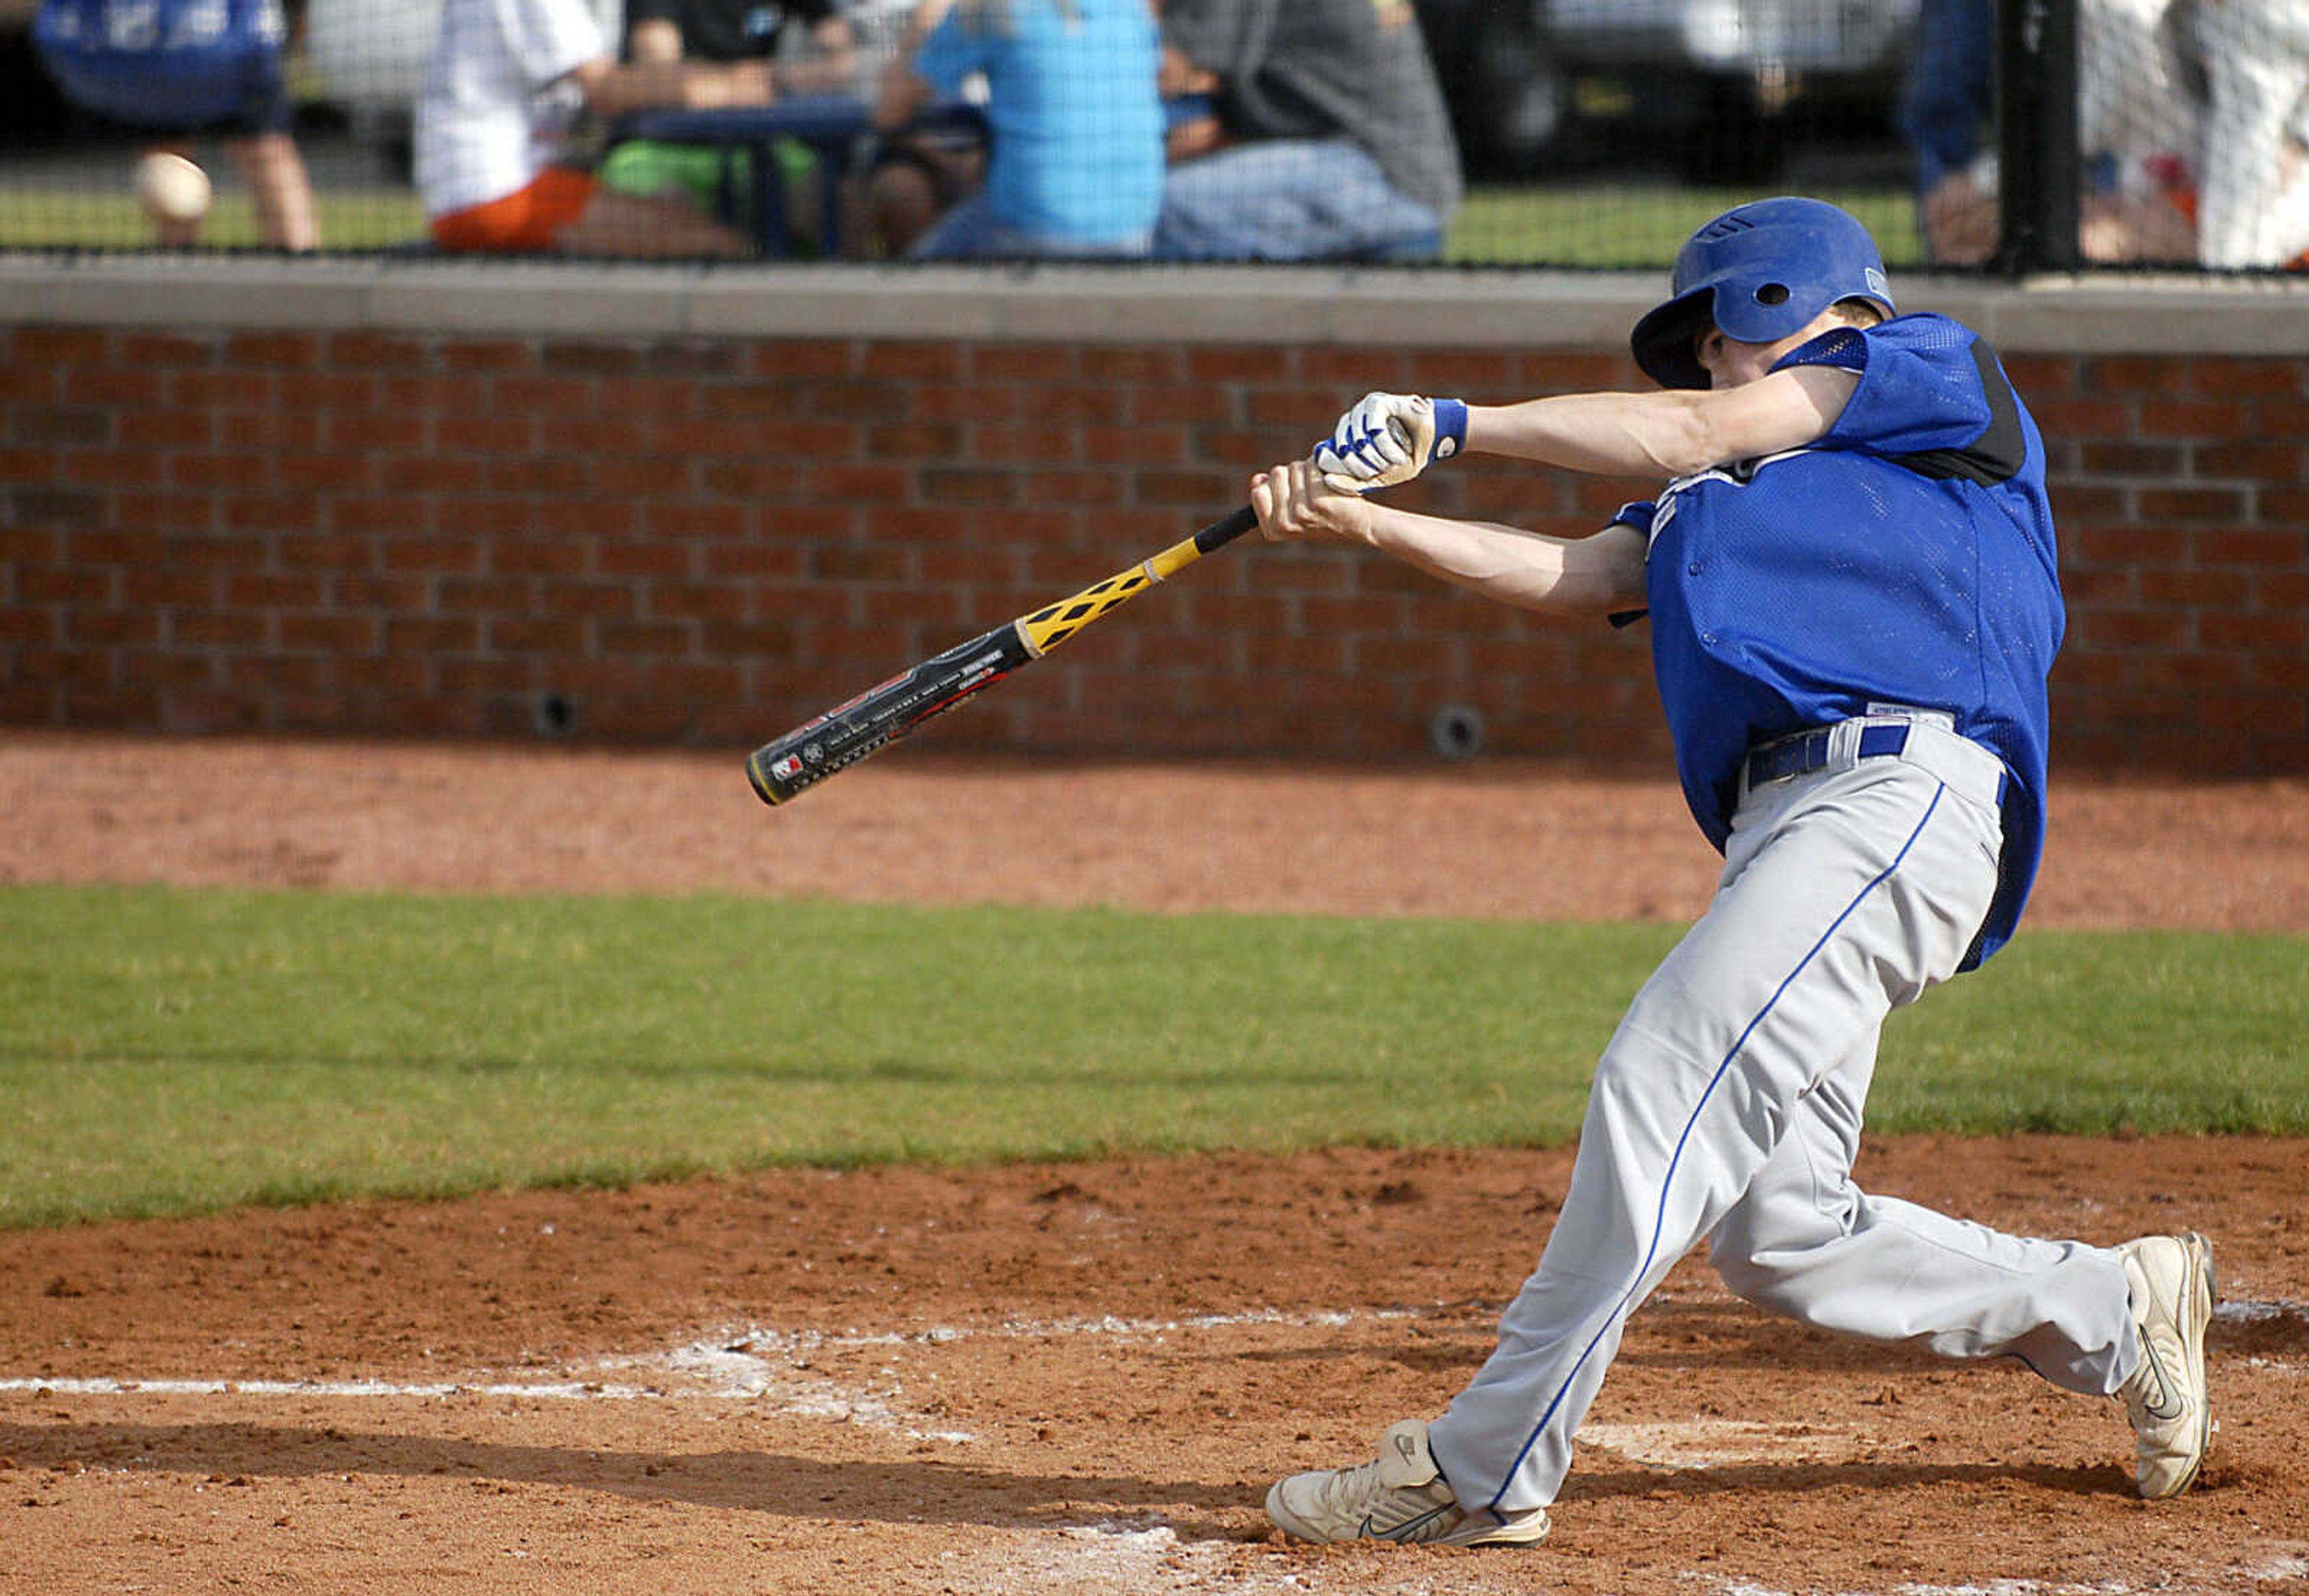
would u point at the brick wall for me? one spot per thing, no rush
(673, 538)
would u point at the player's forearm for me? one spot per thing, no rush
(612, 90)
(1670, 433)
(1661, 434)
(1595, 575)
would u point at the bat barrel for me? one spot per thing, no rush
(880, 715)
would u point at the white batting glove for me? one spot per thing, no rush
(1388, 438)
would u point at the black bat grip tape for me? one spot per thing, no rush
(1226, 529)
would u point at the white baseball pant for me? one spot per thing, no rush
(1728, 1106)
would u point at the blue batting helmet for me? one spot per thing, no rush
(1759, 271)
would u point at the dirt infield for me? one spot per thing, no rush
(1081, 1377)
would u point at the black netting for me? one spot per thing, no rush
(2118, 134)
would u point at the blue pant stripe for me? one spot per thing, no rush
(1659, 1218)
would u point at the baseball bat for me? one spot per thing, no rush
(875, 718)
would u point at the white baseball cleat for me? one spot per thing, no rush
(2172, 1412)
(1400, 1496)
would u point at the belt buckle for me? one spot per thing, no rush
(1787, 758)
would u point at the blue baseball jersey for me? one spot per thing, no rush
(1907, 557)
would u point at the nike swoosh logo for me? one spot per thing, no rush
(1405, 1531)
(2168, 1405)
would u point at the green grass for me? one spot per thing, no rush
(166, 1052)
(1631, 225)
(1577, 226)
(80, 219)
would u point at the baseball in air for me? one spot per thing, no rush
(172, 188)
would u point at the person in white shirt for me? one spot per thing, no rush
(504, 83)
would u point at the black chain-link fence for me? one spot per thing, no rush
(1969, 134)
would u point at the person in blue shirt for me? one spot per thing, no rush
(1851, 580)
(1074, 121)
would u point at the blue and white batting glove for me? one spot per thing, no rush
(1388, 438)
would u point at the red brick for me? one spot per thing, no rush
(392, 518)
(374, 431)
(166, 512)
(803, 357)
(402, 551)
(626, 558)
(642, 476)
(709, 522)
(592, 435)
(2251, 459)
(166, 428)
(262, 590)
(325, 473)
(2166, 419)
(2247, 377)
(663, 638)
(332, 633)
(110, 468)
(547, 395)
(165, 588)
(486, 435)
(2260, 632)
(162, 349)
(60, 346)
(362, 591)
(487, 356)
(970, 404)
(858, 483)
(2127, 458)
(595, 600)
(911, 363)
(487, 675)
(218, 629)
(29, 624)
(540, 473)
(57, 506)
(860, 563)
(2155, 375)
(441, 397)
(2270, 548)
(430, 473)
(39, 385)
(65, 584)
(112, 386)
(405, 634)
(583, 517)
(225, 390)
(377, 351)
(542, 557)
(1025, 363)
(272, 349)
(536, 635)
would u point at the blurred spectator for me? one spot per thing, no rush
(1329, 140)
(505, 82)
(1075, 166)
(923, 167)
(1945, 104)
(825, 61)
(189, 68)
(2253, 204)
(2192, 116)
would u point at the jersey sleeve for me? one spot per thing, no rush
(1932, 397)
(552, 39)
(949, 55)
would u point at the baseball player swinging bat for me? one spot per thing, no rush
(880, 715)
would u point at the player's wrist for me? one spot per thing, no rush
(1450, 428)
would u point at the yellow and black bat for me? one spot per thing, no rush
(880, 715)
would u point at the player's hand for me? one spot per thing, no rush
(1388, 438)
(1295, 503)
